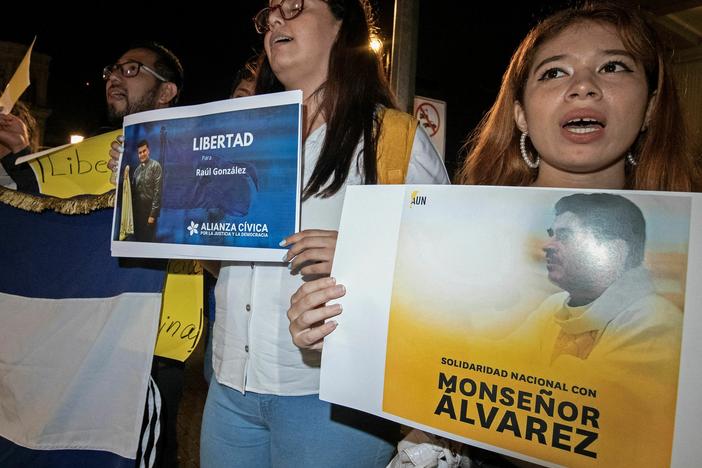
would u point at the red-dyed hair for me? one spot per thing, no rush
(662, 151)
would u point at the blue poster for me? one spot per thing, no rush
(216, 181)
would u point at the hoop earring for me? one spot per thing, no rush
(525, 156)
(630, 159)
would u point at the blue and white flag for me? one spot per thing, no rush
(77, 337)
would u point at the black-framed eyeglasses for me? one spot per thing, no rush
(129, 69)
(289, 9)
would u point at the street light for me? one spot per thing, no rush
(376, 45)
(77, 138)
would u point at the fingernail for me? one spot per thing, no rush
(121, 149)
(340, 289)
(283, 243)
(120, 138)
(334, 323)
(285, 257)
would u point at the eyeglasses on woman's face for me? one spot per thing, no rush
(289, 9)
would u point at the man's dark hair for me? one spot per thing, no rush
(143, 143)
(167, 64)
(609, 217)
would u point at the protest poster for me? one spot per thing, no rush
(74, 169)
(555, 326)
(213, 181)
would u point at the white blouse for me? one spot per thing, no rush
(252, 347)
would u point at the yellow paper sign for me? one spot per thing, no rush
(77, 169)
(18, 83)
(181, 311)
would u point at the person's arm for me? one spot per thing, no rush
(14, 143)
(21, 174)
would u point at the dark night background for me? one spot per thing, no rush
(463, 49)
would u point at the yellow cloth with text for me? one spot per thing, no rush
(181, 324)
(79, 169)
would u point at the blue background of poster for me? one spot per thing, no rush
(267, 193)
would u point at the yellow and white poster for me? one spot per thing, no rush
(550, 325)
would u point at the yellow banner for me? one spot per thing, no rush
(77, 169)
(181, 312)
(18, 83)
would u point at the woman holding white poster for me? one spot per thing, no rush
(588, 101)
(262, 409)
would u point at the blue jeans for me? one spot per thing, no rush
(258, 430)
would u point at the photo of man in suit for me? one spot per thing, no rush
(146, 190)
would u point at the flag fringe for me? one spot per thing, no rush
(81, 204)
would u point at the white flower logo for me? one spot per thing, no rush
(192, 228)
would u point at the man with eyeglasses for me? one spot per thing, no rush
(146, 77)
(149, 76)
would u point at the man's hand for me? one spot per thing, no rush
(116, 150)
